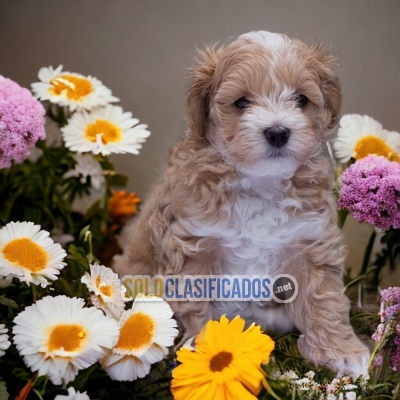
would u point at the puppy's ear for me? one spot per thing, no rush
(201, 87)
(326, 69)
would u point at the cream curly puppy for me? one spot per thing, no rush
(248, 190)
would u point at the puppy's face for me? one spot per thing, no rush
(265, 102)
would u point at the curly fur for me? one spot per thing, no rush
(231, 204)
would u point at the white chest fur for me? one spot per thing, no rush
(261, 228)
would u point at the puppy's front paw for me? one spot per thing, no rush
(351, 359)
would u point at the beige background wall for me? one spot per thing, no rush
(141, 49)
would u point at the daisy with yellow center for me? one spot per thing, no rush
(104, 131)
(106, 290)
(146, 330)
(29, 254)
(226, 363)
(70, 89)
(57, 337)
(360, 136)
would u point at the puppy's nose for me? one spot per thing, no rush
(277, 136)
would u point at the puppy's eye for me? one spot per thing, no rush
(301, 100)
(242, 103)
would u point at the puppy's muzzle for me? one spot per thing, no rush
(277, 136)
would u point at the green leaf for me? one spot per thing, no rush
(33, 215)
(8, 303)
(37, 394)
(64, 287)
(342, 215)
(4, 395)
(21, 373)
(82, 234)
(80, 381)
(117, 180)
(94, 210)
(77, 262)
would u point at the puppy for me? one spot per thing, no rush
(249, 191)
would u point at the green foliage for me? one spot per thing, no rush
(392, 240)
(4, 395)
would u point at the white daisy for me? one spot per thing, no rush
(104, 130)
(73, 395)
(29, 254)
(87, 165)
(70, 89)
(4, 342)
(146, 331)
(361, 135)
(106, 289)
(57, 337)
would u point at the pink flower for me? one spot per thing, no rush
(21, 122)
(390, 295)
(371, 191)
(379, 333)
(378, 361)
(395, 354)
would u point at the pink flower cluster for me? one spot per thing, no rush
(21, 122)
(395, 354)
(390, 295)
(371, 191)
(389, 328)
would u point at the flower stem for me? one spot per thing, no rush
(367, 254)
(86, 236)
(364, 266)
(342, 215)
(269, 390)
(359, 277)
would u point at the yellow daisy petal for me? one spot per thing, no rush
(236, 391)
(251, 380)
(186, 392)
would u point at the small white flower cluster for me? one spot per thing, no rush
(307, 387)
(73, 395)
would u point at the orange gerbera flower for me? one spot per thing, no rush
(122, 205)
